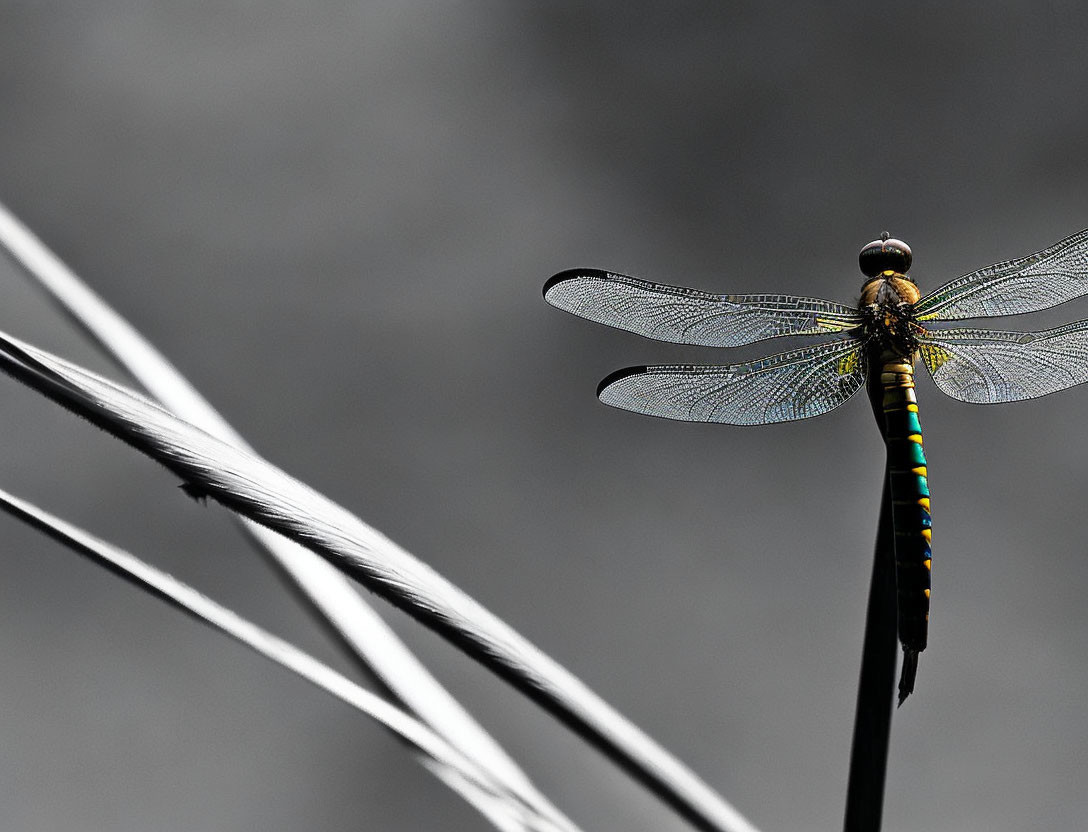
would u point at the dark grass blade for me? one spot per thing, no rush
(873, 717)
(873, 714)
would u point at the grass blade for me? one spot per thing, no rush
(255, 488)
(333, 598)
(461, 773)
(873, 713)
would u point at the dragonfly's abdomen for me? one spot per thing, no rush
(910, 510)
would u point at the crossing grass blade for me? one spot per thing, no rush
(507, 810)
(258, 490)
(333, 599)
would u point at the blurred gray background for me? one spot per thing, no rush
(336, 219)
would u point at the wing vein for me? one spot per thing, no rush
(792, 385)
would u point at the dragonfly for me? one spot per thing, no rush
(874, 344)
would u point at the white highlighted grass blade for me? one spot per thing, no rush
(462, 774)
(367, 638)
(255, 488)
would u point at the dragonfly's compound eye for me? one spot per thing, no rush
(883, 255)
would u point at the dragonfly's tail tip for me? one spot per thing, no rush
(907, 674)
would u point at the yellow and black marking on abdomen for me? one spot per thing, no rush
(910, 511)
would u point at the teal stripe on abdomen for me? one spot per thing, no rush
(910, 512)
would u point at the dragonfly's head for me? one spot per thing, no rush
(885, 256)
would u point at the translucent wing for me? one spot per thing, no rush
(985, 366)
(791, 385)
(1038, 281)
(688, 316)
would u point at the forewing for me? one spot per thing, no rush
(791, 385)
(689, 316)
(986, 366)
(1038, 281)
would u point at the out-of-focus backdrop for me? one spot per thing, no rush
(336, 219)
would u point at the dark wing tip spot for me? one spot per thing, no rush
(619, 375)
(568, 274)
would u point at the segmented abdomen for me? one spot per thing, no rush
(910, 503)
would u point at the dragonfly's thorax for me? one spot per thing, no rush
(887, 304)
(889, 288)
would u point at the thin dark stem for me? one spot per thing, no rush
(873, 717)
